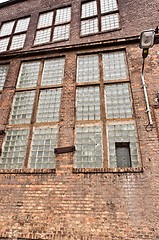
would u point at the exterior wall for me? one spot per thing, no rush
(70, 205)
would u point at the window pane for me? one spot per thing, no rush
(88, 147)
(42, 149)
(14, 149)
(122, 133)
(89, 26)
(88, 69)
(3, 74)
(123, 154)
(22, 107)
(43, 36)
(110, 22)
(28, 74)
(45, 19)
(53, 71)
(108, 5)
(18, 41)
(61, 32)
(6, 28)
(88, 103)
(114, 66)
(49, 105)
(22, 25)
(4, 44)
(118, 101)
(63, 15)
(89, 9)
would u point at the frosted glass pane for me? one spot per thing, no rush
(22, 107)
(14, 149)
(43, 36)
(61, 32)
(89, 9)
(88, 147)
(42, 148)
(114, 64)
(22, 25)
(3, 44)
(118, 101)
(122, 133)
(49, 105)
(45, 19)
(88, 68)
(108, 5)
(88, 103)
(63, 15)
(18, 41)
(28, 74)
(3, 75)
(6, 28)
(110, 22)
(89, 26)
(53, 71)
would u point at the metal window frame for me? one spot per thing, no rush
(99, 16)
(13, 33)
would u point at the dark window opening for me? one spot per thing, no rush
(123, 156)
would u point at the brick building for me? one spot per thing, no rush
(78, 158)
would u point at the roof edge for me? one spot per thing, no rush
(9, 2)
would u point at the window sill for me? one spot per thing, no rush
(108, 170)
(27, 171)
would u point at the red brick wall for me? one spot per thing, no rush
(86, 206)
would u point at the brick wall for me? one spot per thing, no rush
(84, 206)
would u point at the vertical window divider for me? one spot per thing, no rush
(26, 158)
(37, 93)
(99, 15)
(34, 112)
(11, 35)
(103, 113)
(53, 26)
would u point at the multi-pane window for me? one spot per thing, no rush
(13, 34)
(3, 74)
(33, 123)
(53, 26)
(105, 128)
(98, 16)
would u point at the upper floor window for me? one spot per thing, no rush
(33, 123)
(98, 16)
(53, 26)
(13, 34)
(105, 127)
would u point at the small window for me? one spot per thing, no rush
(123, 154)
(13, 34)
(53, 26)
(98, 16)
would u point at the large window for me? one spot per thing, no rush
(53, 26)
(13, 33)
(33, 125)
(98, 16)
(105, 127)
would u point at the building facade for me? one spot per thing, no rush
(78, 157)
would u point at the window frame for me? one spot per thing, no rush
(99, 16)
(13, 33)
(105, 121)
(52, 26)
(33, 123)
